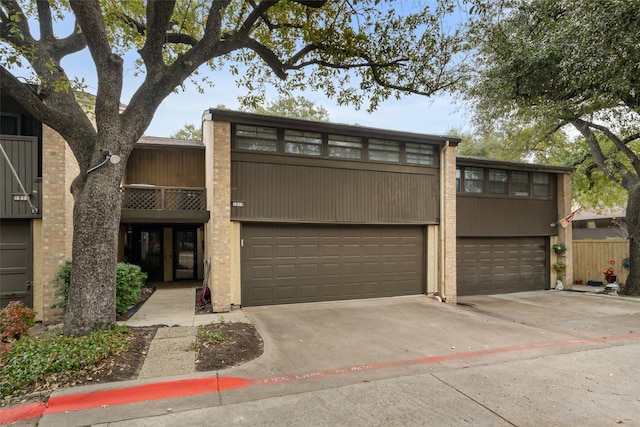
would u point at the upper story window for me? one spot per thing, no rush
(419, 154)
(9, 124)
(299, 142)
(474, 180)
(256, 138)
(541, 185)
(345, 147)
(498, 181)
(384, 151)
(314, 143)
(519, 183)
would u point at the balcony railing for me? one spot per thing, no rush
(152, 197)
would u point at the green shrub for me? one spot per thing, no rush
(15, 321)
(129, 282)
(34, 359)
(61, 283)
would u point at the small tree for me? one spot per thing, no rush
(295, 107)
(189, 131)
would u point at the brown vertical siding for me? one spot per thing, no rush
(175, 167)
(326, 193)
(23, 153)
(506, 216)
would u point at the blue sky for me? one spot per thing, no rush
(435, 115)
(414, 113)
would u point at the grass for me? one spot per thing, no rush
(214, 336)
(34, 359)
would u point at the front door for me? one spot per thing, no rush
(185, 253)
(148, 252)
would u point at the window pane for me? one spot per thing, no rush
(345, 147)
(418, 154)
(8, 124)
(498, 182)
(256, 138)
(520, 183)
(474, 180)
(384, 151)
(299, 142)
(541, 187)
(458, 178)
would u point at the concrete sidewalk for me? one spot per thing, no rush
(175, 305)
(171, 351)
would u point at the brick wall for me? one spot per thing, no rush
(55, 238)
(565, 235)
(217, 140)
(448, 224)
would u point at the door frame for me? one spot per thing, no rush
(176, 252)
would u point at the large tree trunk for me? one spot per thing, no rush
(96, 217)
(632, 285)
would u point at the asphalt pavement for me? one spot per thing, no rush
(525, 359)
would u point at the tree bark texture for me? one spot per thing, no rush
(632, 285)
(96, 218)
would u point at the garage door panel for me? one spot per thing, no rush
(16, 262)
(331, 262)
(501, 265)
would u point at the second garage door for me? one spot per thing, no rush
(284, 264)
(501, 265)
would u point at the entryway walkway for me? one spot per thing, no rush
(174, 304)
(171, 351)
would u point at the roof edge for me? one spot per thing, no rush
(483, 161)
(242, 117)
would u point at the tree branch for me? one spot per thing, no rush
(73, 43)
(620, 145)
(46, 23)
(596, 151)
(174, 38)
(15, 17)
(158, 16)
(60, 113)
(108, 65)
(267, 56)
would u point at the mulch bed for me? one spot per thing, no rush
(240, 343)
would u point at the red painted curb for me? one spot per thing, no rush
(195, 386)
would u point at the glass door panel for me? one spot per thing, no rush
(185, 255)
(149, 245)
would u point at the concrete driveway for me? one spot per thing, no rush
(534, 358)
(526, 359)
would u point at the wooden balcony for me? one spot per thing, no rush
(155, 204)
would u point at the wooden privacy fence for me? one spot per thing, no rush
(591, 258)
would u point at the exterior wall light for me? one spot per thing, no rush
(108, 157)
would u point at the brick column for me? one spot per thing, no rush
(448, 285)
(59, 168)
(565, 235)
(217, 140)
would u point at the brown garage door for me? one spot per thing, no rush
(284, 264)
(501, 265)
(16, 262)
